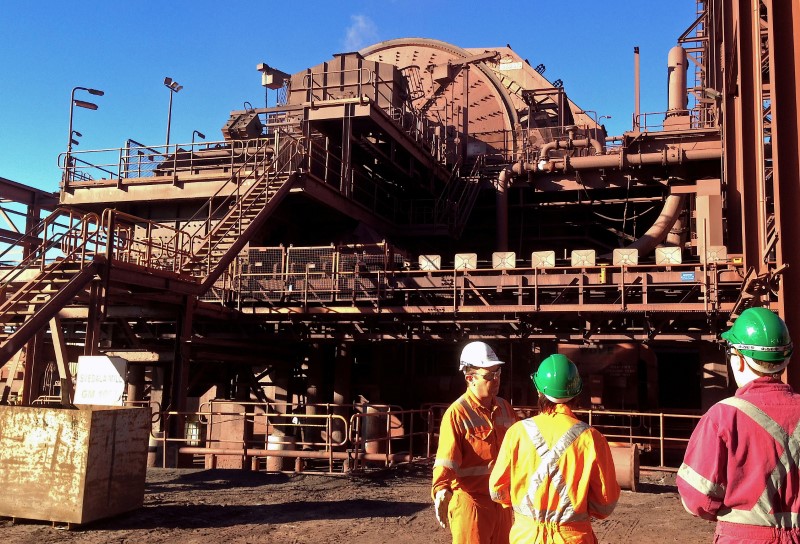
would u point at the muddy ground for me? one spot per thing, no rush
(391, 506)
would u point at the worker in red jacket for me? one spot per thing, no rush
(556, 471)
(472, 430)
(741, 464)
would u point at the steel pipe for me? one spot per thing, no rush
(258, 452)
(657, 233)
(623, 160)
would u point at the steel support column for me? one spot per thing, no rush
(784, 66)
(743, 134)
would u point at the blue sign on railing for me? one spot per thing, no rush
(687, 276)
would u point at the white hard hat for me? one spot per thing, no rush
(478, 354)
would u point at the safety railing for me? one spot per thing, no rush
(69, 240)
(377, 429)
(150, 244)
(366, 85)
(706, 287)
(698, 118)
(137, 163)
(612, 287)
(325, 438)
(227, 216)
(661, 437)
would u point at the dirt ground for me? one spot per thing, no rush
(392, 506)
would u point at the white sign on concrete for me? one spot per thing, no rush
(101, 380)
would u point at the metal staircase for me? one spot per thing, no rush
(240, 207)
(74, 247)
(455, 203)
(70, 252)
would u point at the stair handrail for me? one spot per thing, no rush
(234, 178)
(123, 245)
(288, 159)
(46, 243)
(88, 230)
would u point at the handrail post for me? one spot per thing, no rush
(109, 234)
(661, 437)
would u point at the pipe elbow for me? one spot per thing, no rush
(545, 150)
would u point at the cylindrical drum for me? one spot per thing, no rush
(278, 443)
(626, 463)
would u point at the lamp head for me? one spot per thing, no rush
(84, 104)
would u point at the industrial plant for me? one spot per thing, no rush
(293, 293)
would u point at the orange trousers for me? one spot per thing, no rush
(477, 519)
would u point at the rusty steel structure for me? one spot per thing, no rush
(404, 199)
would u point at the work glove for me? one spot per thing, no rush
(440, 503)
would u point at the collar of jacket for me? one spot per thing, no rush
(763, 383)
(476, 403)
(565, 410)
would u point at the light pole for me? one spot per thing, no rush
(81, 104)
(173, 87)
(191, 153)
(199, 135)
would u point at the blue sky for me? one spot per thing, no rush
(212, 49)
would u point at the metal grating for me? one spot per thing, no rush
(362, 271)
(262, 274)
(310, 272)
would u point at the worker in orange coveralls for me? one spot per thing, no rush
(553, 469)
(742, 463)
(472, 430)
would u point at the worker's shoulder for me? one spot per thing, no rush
(458, 405)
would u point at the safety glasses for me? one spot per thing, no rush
(489, 376)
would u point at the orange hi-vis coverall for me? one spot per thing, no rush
(469, 440)
(556, 472)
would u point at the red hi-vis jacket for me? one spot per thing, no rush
(556, 472)
(741, 466)
(469, 439)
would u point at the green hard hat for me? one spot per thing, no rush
(558, 377)
(760, 334)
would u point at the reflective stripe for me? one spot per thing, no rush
(480, 470)
(602, 509)
(447, 463)
(700, 483)
(784, 520)
(474, 419)
(508, 418)
(548, 468)
(761, 513)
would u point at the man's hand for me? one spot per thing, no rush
(440, 503)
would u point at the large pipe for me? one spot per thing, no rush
(673, 205)
(636, 112)
(623, 160)
(501, 205)
(676, 236)
(544, 151)
(676, 77)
